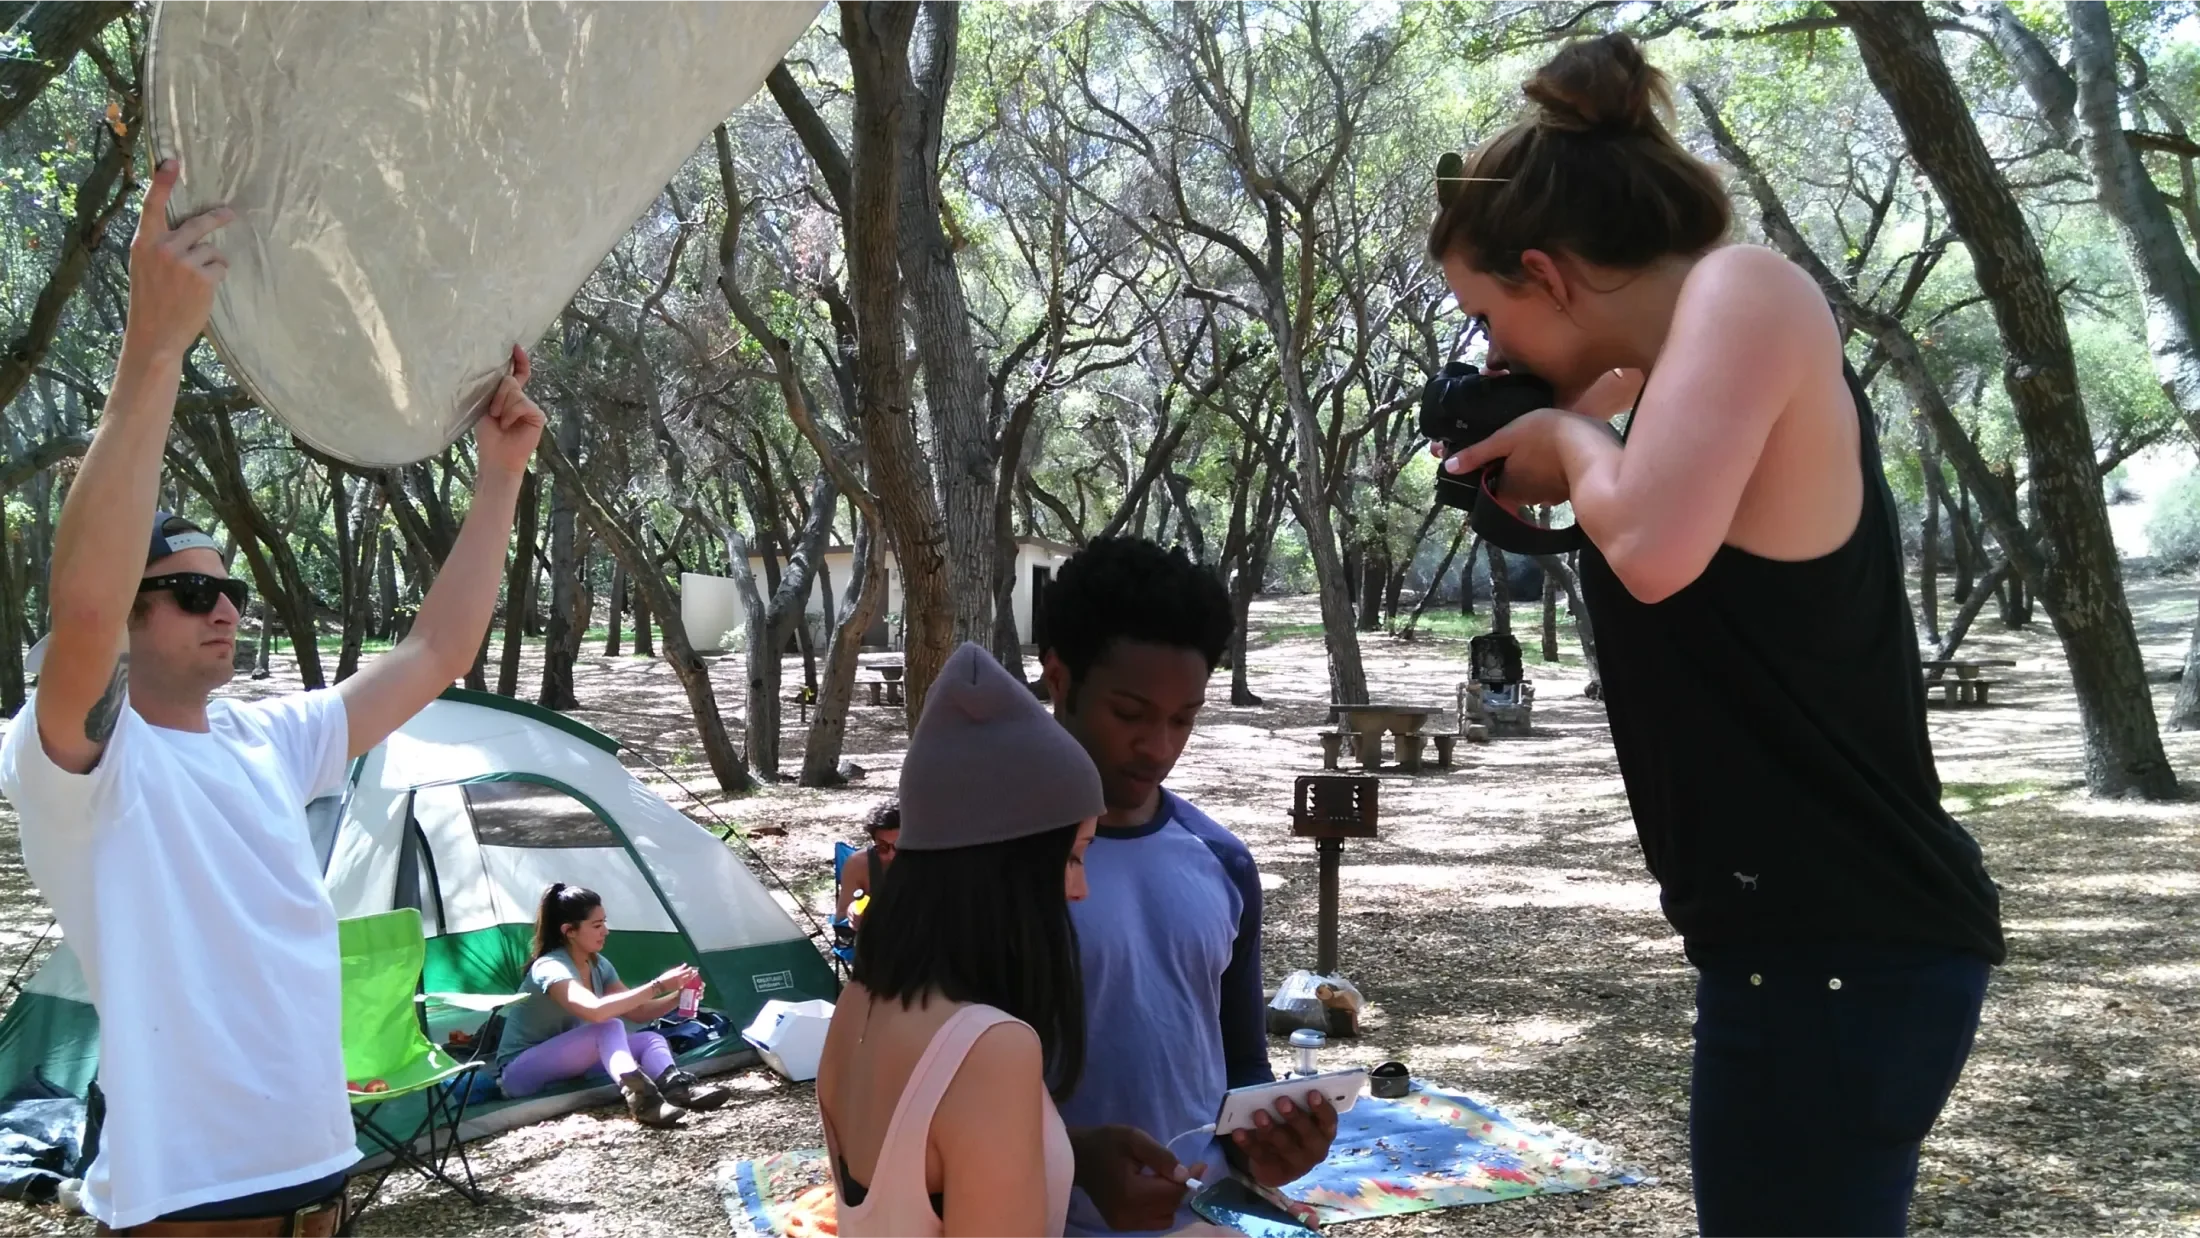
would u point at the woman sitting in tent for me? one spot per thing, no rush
(574, 1017)
(964, 1018)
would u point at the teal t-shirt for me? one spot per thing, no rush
(536, 1018)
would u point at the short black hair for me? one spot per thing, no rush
(987, 924)
(886, 816)
(1129, 588)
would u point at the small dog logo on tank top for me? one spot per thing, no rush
(1748, 880)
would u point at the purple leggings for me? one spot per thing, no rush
(571, 1053)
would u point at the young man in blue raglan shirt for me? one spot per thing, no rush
(1169, 935)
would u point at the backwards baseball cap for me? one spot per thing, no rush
(988, 763)
(172, 534)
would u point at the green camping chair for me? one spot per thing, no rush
(385, 1039)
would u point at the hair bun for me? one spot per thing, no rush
(1600, 85)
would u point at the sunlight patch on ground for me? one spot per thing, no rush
(2135, 883)
(2182, 976)
(1542, 1031)
(1448, 842)
(2180, 814)
(1514, 887)
(2077, 924)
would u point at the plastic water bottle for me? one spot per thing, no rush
(691, 998)
(1304, 1043)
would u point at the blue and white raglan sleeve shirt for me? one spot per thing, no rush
(1169, 936)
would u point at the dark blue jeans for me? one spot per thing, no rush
(281, 1201)
(1818, 1071)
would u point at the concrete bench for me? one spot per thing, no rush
(1409, 751)
(1962, 691)
(1333, 743)
(1444, 742)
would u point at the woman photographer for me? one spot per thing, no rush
(1759, 655)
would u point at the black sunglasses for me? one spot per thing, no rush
(195, 591)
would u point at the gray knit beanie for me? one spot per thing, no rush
(987, 763)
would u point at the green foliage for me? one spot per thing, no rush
(1072, 134)
(2173, 532)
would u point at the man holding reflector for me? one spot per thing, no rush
(168, 827)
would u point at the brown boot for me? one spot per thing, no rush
(645, 1102)
(689, 1092)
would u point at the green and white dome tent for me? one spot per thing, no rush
(468, 812)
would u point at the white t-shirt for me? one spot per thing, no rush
(184, 877)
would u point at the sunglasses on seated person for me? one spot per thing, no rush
(195, 591)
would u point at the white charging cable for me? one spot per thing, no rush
(1190, 1184)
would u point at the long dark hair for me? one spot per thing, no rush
(987, 924)
(561, 905)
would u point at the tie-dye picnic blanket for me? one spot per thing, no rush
(1439, 1149)
(1432, 1149)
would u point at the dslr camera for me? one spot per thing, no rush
(1460, 407)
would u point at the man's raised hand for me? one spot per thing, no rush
(506, 435)
(173, 273)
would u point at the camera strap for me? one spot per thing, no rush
(1511, 534)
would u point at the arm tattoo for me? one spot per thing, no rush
(99, 725)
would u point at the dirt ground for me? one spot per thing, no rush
(1510, 943)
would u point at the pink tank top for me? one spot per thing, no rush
(897, 1203)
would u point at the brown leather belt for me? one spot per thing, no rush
(320, 1220)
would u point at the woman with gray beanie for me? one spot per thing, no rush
(963, 1020)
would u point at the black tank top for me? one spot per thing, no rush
(1770, 724)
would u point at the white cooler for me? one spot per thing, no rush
(791, 1036)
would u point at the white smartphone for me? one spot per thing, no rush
(1340, 1088)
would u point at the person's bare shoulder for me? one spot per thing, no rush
(1758, 277)
(1004, 1072)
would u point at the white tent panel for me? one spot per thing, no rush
(464, 893)
(720, 903)
(520, 875)
(60, 976)
(362, 866)
(440, 747)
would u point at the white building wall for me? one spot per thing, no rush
(710, 606)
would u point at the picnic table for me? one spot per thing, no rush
(886, 688)
(1968, 687)
(1369, 723)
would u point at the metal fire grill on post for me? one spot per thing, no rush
(1330, 808)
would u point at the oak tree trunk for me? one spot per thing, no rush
(1436, 579)
(618, 609)
(1928, 551)
(876, 35)
(693, 673)
(956, 393)
(2081, 580)
(836, 689)
(519, 579)
(1501, 612)
(561, 645)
